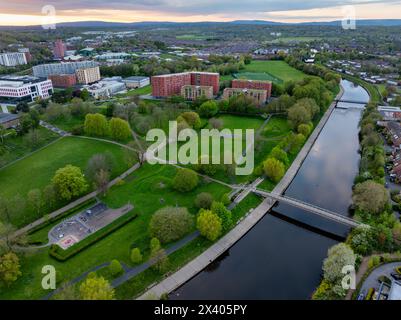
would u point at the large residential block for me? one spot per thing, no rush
(63, 80)
(12, 59)
(14, 89)
(88, 75)
(192, 92)
(45, 70)
(259, 97)
(170, 84)
(253, 84)
(59, 49)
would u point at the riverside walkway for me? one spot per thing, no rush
(195, 266)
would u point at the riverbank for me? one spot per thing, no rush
(177, 279)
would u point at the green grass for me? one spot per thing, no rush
(240, 122)
(37, 170)
(277, 127)
(144, 189)
(295, 39)
(19, 146)
(67, 124)
(140, 91)
(278, 69)
(258, 76)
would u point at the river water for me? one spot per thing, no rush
(281, 257)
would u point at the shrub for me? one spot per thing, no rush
(136, 256)
(185, 180)
(208, 109)
(225, 199)
(96, 125)
(115, 268)
(274, 169)
(119, 129)
(224, 214)
(203, 200)
(69, 182)
(170, 223)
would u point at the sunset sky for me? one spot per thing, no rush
(29, 12)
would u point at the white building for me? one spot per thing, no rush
(45, 70)
(136, 82)
(113, 55)
(12, 59)
(105, 89)
(15, 89)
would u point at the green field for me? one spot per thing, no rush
(258, 76)
(294, 39)
(148, 189)
(20, 146)
(37, 170)
(278, 69)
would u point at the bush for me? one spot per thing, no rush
(224, 214)
(203, 200)
(225, 199)
(208, 109)
(119, 129)
(274, 169)
(185, 180)
(370, 294)
(115, 268)
(170, 223)
(136, 256)
(78, 130)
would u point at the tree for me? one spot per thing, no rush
(224, 214)
(279, 154)
(158, 256)
(203, 200)
(9, 207)
(185, 180)
(96, 125)
(35, 199)
(96, 288)
(49, 195)
(170, 223)
(209, 224)
(216, 123)
(9, 268)
(98, 162)
(101, 182)
(208, 109)
(304, 129)
(339, 256)
(361, 240)
(136, 256)
(274, 169)
(22, 107)
(370, 197)
(192, 118)
(115, 268)
(119, 129)
(69, 182)
(3, 133)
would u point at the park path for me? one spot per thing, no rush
(71, 205)
(195, 266)
(129, 272)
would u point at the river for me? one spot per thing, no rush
(281, 257)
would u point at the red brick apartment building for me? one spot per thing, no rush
(253, 84)
(63, 80)
(170, 84)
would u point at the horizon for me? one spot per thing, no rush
(29, 12)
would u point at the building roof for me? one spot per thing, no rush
(20, 79)
(7, 117)
(395, 291)
(136, 78)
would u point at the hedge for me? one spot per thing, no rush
(60, 254)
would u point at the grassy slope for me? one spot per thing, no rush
(37, 170)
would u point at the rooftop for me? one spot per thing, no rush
(6, 117)
(395, 291)
(136, 78)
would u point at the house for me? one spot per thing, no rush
(9, 120)
(394, 129)
(136, 82)
(390, 113)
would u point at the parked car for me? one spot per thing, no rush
(396, 276)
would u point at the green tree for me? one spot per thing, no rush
(9, 268)
(274, 169)
(224, 214)
(208, 109)
(136, 256)
(304, 129)
(192, 118)
(98, 162)
(69, 182)
(279, 154)
(119, 129)
(96, 125)
(204, 200)
(35, 199)
(209, 224)
(185, 180)
(158, 256)
(96, 288)
(370, 197)
(115, 268)
(170, 223)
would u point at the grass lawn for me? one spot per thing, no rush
(140, 91)
(37, 170)
(144, 189)
(295, 39)
(19, 146)
(277, 127)
(278, 69)
(67, 124)
(240, 122)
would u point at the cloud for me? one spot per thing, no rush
(196, 7)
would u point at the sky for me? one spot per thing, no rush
(35, 12)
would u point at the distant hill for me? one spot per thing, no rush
(161, 24)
